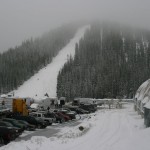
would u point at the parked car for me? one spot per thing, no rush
(89, 107)
(82, 111)
(72, 108)
(7, 134)
(29, 127)
(66, 117)
(9, 125)
(32, 120)
(43, 116)
(69, 110)
(42, 121)
(72, 115)
(78, 110)
(58, 119)
(15, 123)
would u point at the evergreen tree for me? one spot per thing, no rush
(110, 61)
(20, 63)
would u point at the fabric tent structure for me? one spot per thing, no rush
(142, 96)
(142, 101)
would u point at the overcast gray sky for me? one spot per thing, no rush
(23, 19)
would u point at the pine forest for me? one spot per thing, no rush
(110, 61)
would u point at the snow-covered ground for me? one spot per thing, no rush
(45, 80)
(107, 129)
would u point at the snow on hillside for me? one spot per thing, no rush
(45, 80)
(107, 129)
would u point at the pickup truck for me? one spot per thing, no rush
(43, 116)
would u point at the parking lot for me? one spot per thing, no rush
(39, 123)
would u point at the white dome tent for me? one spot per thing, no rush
(142, 101)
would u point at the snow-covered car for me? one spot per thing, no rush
(34, 107)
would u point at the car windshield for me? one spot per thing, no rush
(8, 124)
(15, 122)
(10, 121)
(24, 122)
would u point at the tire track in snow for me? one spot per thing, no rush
(108, 132)
(111, 132)
(102, 131)
(126, 128)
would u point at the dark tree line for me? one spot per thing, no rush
(109, 61)
(20, 63)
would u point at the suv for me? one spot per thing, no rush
(43, 116)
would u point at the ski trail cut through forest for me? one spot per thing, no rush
(45, 81)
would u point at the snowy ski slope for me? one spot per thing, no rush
(45, 80)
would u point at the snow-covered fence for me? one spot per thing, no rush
(113, 103)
